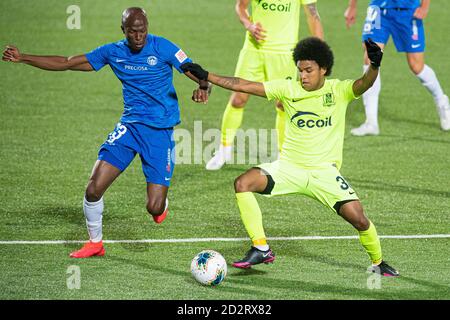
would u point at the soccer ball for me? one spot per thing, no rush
(209, 268)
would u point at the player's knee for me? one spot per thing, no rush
(238, 101)
(93, 193)
(361, 223)
(279, 106)
(416, 68)
(156, 207)
(241, 185)
(416, 64)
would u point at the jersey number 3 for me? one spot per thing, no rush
(117, 133)
(344, 184)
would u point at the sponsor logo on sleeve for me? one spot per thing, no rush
(181, 56)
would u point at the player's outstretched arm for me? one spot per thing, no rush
(230, 83)
(375, 55)
(238, 84)
(52, 63)
(314, 22)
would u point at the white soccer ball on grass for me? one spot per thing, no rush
(209, 268)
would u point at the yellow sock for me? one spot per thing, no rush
(259, 242)
(231, 121)
(370, 241)
(280, 124)
(251, 217)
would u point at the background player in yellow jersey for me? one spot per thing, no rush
(311, 157)
(272, 33)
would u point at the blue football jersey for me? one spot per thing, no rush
(148, 92)
(407, 4)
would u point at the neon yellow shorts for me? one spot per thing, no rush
(264, 66)
(326, 185)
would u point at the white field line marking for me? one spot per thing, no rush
(190, 240)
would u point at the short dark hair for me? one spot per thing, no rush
(317, 50)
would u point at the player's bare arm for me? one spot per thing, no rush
(256, 29)
(230, 83)
(238, 84)
(366, 81)
(375, 55)
(422, 11)
(314, 22)
(350, 13)
(52, 63)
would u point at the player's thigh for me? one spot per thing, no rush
(250, 65)
(279, 66)
(114, 156)
(283, 178)
(329, 187)
(157, 154)
(408, 32)
(120, 147)
(377, 25)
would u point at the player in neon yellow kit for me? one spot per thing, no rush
(311, 157)
(272, 33)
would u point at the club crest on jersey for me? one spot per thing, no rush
(328, 99)
(152, 60)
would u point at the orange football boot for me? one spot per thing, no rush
(160, 217)
(90, 249)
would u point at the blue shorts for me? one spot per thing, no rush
(155, 147)
(406, 31)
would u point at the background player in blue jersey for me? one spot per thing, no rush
(143, 63)
(403, 20)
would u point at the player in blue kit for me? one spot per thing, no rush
(403, 20)
(143, 63)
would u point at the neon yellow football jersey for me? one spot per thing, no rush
(315, 120)
(280, 18)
